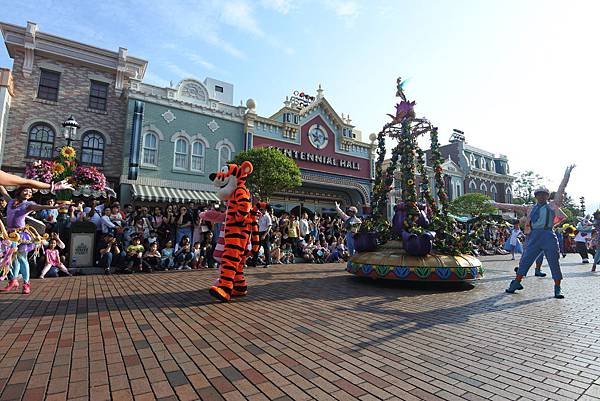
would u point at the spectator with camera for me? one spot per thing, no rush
(110, 253)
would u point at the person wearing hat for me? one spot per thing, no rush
(541, 219)
(351, 225)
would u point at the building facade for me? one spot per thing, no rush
(6, 95)
(335, 164)
(186, 133)
(55, 78)
(470, 169)
(466, 169)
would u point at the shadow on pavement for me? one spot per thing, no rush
(404, 322)
(323, 288)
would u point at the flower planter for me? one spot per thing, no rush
(365, 241)
(417, 245)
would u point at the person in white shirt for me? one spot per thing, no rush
(584, 234)
(265, 224)
(514, 242)
(304, 226)
(106, 225)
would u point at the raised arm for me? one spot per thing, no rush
(560, 192)
(343, 215)
(34, 207)
(15, 180)
(510, 207)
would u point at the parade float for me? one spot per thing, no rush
(421, 242)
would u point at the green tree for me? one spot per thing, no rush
(273, 172)
(570, 209)
(524, 185)
(473, 204)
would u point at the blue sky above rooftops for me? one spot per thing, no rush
(518, 77)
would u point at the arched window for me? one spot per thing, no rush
(92, 148)
(508, 195)
(181, 154)
(458, 189)
(41, 141)
(483, 188)
(150, 149)
(493, 192)
(482, 163)
(472, 161)
(198, 156)
(224, 155)
(472, 186)
(492, 166)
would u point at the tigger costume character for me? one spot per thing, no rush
(231, 181)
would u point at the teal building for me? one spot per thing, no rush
(176, 137)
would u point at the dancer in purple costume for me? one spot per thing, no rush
(16, 212)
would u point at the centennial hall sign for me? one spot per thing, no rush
(319, 159)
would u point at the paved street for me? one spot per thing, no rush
(304, 332)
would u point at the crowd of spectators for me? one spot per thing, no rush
(155, 238)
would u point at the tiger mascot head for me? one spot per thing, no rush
(231, 177)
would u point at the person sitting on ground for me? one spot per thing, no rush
(276, 251)
(183, 254)
(151, 260)
(287, 255)
(110, 253)
(167, 259)
(342, 250)
(198, 256)
(308, 248)
(53, 259)
(135, 252)
(326, 251)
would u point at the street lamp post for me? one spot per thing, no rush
(70, 129)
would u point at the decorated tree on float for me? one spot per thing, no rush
(422, 241)
(86, 180)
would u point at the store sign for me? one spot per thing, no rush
(300, 100)
(320, 159)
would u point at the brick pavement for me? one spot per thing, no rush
(304, 332)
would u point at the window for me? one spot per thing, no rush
(48, 88)
(181, 154)
(197, 156)
(483, 188)
(224, 155)
(98, 95)
(92, 148)
(508, 198)
(41, 141)
(472, 186)
(483, 164)
(494, 192)
(492, 166)
(150, 149)
(472, 161)
(218, 88)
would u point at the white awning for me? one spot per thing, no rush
(164, 194)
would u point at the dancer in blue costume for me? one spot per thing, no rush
(541, 218)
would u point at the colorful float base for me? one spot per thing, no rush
(389, 262)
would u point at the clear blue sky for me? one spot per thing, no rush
(521, 78)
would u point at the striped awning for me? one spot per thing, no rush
(164, 194)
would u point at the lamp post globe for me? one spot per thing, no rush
(70, 127)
